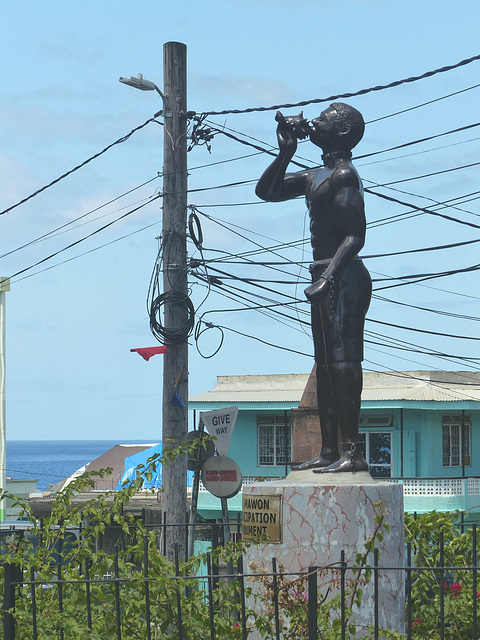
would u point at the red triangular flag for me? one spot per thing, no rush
(148, 352)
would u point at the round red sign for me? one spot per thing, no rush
(221, 476)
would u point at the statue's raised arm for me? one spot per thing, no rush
(276, 185)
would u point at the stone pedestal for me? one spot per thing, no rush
(325, 514)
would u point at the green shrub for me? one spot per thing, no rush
(121, 603)
(433, 588)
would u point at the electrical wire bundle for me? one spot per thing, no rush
(266, 295)
(156, 301)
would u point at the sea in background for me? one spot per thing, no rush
(49, 461)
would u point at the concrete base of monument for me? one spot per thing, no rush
(321, 515)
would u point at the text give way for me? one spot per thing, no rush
(220, 423)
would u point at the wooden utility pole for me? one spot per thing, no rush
(175, 286)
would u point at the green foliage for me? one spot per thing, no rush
(435, 589)
(118, 588)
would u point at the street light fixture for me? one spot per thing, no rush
(140, 83)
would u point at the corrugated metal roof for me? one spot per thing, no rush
(267, 388)
(436, 386)
(439, 386)
(424, 392)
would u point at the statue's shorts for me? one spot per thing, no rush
(338, 320)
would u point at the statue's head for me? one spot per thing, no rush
(340, 127)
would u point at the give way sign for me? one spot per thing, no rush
(220, 423)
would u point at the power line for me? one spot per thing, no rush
(439, 383)
(422, 209)
(261, 149)
(71, 222)
(418, 141)
(304, 103)
(426, 331)
(402, 345)
(450, 314)
(397, 344)
(417, 153)
(79, 166)
(450, 203)
(269, 344)
(273, 152)
(422, 277)
(80, 255)
(90, 235)
(429, 175)
(443, 290)
(394, 343)
(453, 383)
(423, 250)
(417, 211)
(262, 248)
(228, 256)
(423, 104)
(367, 189)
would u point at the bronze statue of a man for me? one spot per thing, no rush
(341, 289)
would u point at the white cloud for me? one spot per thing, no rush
(76, 51)
(241, 88)
(17, 180)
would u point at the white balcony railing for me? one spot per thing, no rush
(433, 487)
(427, 487)
(438, 486)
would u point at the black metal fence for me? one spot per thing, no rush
(135, 599)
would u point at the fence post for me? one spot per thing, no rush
(11, 572)
(343, 571)
(475, 559)
(118, 611)
(312, 603)
(147, 586)
(442, 589)
(179, 599)
(242, 597)
(60, 582)
(409, 590)
(215, 568)
(275, 598)
(375, 591)
(210, 596)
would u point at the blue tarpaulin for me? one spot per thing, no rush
(133, 462)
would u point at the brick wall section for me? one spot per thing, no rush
(307, 439)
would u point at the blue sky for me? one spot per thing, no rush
(70, 373)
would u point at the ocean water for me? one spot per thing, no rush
(49, 461)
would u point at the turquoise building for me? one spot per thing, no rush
(419, 428)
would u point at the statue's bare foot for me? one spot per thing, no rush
(350, 460)
(320, 462)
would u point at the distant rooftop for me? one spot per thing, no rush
(267, 388)
(395, 385)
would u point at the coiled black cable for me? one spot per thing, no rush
(165, 335)
(199, 331)
(195, 229)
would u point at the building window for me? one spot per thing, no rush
(274, 440)
(452, 440)
(377, 445)
(377, 450)
(378, 420)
